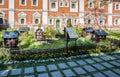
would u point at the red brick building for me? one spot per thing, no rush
(54, 13)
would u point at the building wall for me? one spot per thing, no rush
(48, 17)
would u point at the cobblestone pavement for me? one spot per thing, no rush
(101, 66)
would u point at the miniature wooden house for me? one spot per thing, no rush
(39, 34)
(10, 39)
(22, 30)
(100, 35)
(88, 31)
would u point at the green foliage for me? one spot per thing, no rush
(26, 39)
(113, 34)
(79, 31)
(49, 33)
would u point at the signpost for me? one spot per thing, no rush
(70, 34)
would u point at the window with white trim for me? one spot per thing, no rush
(75, 21)
(101, 4)
(90, 19)
(90, 3)
(101, 20)
(36, 18)
(64, 3)
(22, 18)
(117, 21)
(1, 2)
(50, 21)
(23, 2)
(34, 2)
(117, 6)
(53, 5)
(73, 5)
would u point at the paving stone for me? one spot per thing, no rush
(29, 76)
(40, 68)
(89, 68)
(117, 56)
(98, 75)
(89, 61)
(72, 64)
(4, 73)
(112, 57)
(62, 65)
(105, 58)
(52, 67)
(29, 70)
(115, 63)
(97, 59)
(16, 71)
(118, 61)
(98, 66)
(87, 76)
(68, 73)
(81, 62)
(80, 70)
(43, 75)
(107, 65)
(56, 74)
(111, 74)
(117, 71)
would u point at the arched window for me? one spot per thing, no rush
(36, 18)
(22, 18)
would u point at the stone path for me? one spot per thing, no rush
(102, 66)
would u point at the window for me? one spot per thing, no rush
(90, 19)
(53, 5)
(1, 21)
(22, 18)
(101, 20)
(117, 7)
(101, 4)
(36, 18)
(90, 3)
(117, 22)
(22, 2)
(75, 21)
(64, 3)
(73, 5)
(34, 2)
(50, 21)
(22, 21)
(1, 2)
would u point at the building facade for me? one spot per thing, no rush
(54, 13)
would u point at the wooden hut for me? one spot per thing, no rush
(100, 35)
(88, 31)
(39, 34)
(22, 30)
(10, 39)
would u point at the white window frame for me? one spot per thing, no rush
(91, 18)
(64, 5)
(22, 4)
(20, 21)
(101, 18)
(2, 2)
(56, 5)
(35, 4)
(116, 6)
(22, 15)
(101, 6)
(118, 23)
(51, 21)
(75, 19)
(36, 16)
(91, 1)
